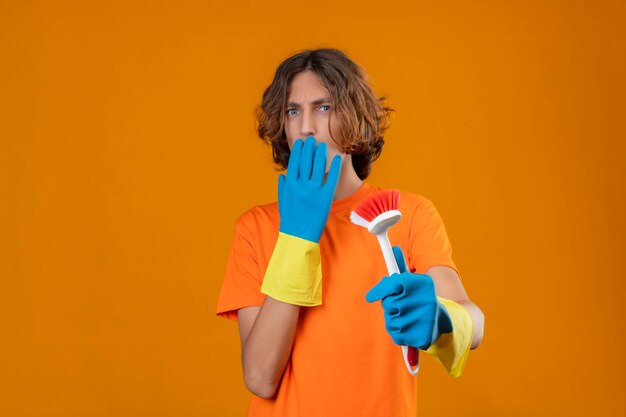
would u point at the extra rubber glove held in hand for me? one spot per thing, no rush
(294, 273)
(413, 314)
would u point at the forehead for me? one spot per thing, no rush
(307, 86)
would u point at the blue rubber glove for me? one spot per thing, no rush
(294, 273)
(304, 201)
(413, 314)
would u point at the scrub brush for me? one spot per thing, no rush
(377, 214)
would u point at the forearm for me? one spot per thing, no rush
(448, 285)
(268, 346)
(479, 322)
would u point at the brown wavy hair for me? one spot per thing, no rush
(363, 117)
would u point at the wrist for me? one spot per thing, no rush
(444, 322)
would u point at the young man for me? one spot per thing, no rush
(301, 279)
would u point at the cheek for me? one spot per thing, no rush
(336, 132)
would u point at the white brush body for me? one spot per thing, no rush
(379, 227)
(384, 221)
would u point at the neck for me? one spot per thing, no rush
(349, 181)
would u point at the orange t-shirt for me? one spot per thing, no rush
(343, 362)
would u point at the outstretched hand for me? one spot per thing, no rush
(413, 314)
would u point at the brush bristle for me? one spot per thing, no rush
(382, 201)
(358, 220)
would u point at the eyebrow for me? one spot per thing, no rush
(315, 102)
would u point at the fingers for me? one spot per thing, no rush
(333, 173)
(391, 307)
(293, 167)
(397, 253)
(377, 292)
(306, 160)
(319, 164)
(387, 286)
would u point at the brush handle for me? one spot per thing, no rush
(390, 259)
(410, 354)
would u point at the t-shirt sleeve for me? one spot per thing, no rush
(242, 279)
(428, 241)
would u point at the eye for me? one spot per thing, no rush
(325, 106)
(289, 112)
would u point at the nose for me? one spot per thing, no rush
(307, 127)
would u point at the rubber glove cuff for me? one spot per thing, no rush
(294, 273)
(452, 349)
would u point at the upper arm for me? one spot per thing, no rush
(447, 283)
(245, 318)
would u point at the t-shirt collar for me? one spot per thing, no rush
(353, 199)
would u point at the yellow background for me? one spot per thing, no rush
(127, 150)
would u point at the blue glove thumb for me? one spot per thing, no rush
(397, 253)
